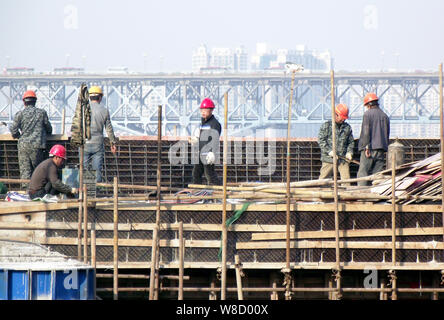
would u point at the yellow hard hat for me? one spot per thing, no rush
(95, 90)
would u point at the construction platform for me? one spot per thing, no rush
(407, 257)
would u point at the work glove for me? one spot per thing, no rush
(349, 155)
(210, 158)
(74, 190)
(195, 136)
(331, 153)
(194, 139)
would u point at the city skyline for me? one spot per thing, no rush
(160, 36)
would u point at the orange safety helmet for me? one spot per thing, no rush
(207, 103)
(342, 110)
(29, 94)
(58, 150)
(369, 97)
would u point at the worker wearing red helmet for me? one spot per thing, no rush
(344, 144)
(208, 140)
(374, 139)
(45, 179)
(31, 126)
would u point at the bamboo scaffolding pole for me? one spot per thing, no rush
(335, 186)
(81, 160)
(79, 225)
(116, 244)
(93, 244)
(286, 270)
(85, 225)
(393, 209)
(181, 260)
(155, 246)
(240, 295)
(224, 205)
(441, 122)
(63, 120)
(138, 187)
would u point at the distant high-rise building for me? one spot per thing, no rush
(201, 58)
(312, 60)
(224, 59)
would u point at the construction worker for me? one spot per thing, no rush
(344, 144)
(94, 147)
(45, 178)
(31, 127)
(208, 140)
(374, 139)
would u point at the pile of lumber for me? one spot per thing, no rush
(415, 182)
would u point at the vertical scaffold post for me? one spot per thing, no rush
(335, 188)
(85, 225)
(155, 245)
(239, 274)
(441, 110)
(224, 209)
(393, 209)
(115, 241)
(181, 260)
(287, 271)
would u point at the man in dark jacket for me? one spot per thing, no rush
(344, 144)
(31, 126)
(374, 139)
(45, 178)
(208, 139)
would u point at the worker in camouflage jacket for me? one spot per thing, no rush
(344, 144)
(31, 127)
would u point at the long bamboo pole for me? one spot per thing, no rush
(155, 246)
(441, 138)
(393, 208)
(240, 295)
(63, 120)
(181, 260)
(85, 225)
(93, 243)
(288, 196)
(335, 185)
(224, 205)
(116, 244)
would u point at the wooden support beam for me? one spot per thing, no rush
(305, 244)
(348, 233)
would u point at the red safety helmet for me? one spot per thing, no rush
(58, 150)
(29, 94)
(342, 110)
(369, 97)
(207, 103)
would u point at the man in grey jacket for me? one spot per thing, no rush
(374, 139)
(94, 147)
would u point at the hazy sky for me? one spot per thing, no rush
(360, 34)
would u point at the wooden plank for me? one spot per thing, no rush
(136, 242)
(348, 233)
(278, 265)
(309, 207)
(203, 227)
(305, 244)
(34, 206)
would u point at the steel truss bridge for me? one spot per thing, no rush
(256, 101)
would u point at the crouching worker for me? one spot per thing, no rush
(45, 178)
